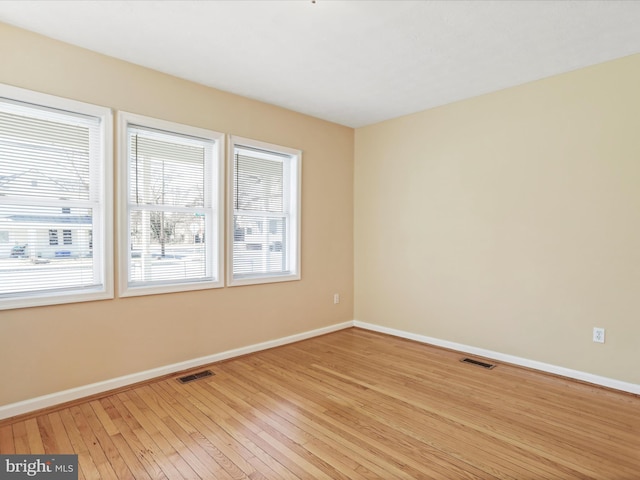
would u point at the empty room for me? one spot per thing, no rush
(320, 239)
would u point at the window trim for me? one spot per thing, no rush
(293, 196)
(216, 178)
(103, 234)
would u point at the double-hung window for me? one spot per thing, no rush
(264, 212)
(170, 199)
(55, 200)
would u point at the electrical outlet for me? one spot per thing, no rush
(598, 335)
(336, 298)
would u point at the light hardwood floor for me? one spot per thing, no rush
(349, 405)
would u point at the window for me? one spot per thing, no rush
(170, 197)
(264, 218)
(55, 175)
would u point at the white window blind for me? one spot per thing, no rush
(172, 198)
(265, 198)
(52, 200)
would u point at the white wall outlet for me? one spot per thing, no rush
(336, 298)
(598, 335)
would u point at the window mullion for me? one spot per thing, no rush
(45, 201)
(169, 208)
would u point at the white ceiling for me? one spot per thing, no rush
(351, 62)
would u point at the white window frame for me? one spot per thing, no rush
(101, 203)
(292, 205)
(214, 187)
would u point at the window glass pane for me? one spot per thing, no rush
(35, 258)
(258, 184)
(167, 247)
(260, 245)
(165, 172)
(44, 158)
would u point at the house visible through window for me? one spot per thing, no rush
(54, 178)
(264, 212)
(171, 192)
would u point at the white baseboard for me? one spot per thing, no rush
(523, 362)
(33, 404)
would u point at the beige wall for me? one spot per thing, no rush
(49, 349)
(510, 222)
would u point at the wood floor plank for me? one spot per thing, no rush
(33, 436)
(95, 450)
(7, 447)
(354, 405)
(20, 438)
(49, 436)
(86, 464)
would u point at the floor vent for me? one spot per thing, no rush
(488, 366)
(195, 376)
